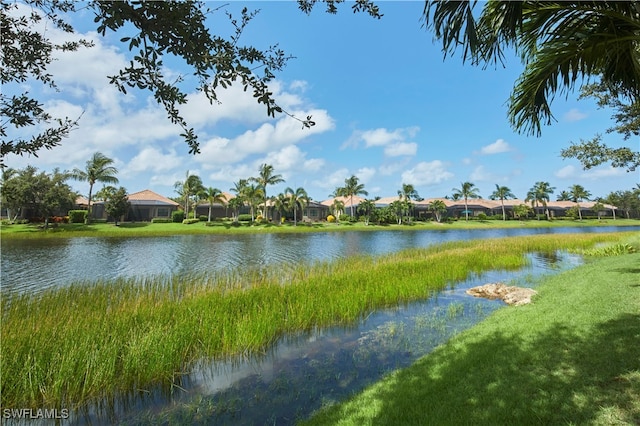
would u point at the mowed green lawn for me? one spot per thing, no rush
(571, 357)
(147, 229)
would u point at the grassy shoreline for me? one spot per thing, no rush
(571, 357)
(147, 229)
(72, 345)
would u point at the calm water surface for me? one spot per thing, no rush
(34, 265)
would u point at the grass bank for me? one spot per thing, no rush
(147, 229)
(68, 346)
(572, 357)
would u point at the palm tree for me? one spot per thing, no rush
(337, 207)
(467, 190)
(98, 169)
(560, 44)
(564, 196)
(367, 208)
(351, 187)
(438, 207)
(408, 193)
(502, 193)
(234, 204)
(578, 193)
(214, 195)
(540, 193)
(266, 177)
(253, 194)
(281, 205)
(191, 187)
(297, 198)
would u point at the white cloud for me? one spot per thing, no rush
(401, 149)
(265, 139)
(152, 159)
(332, 181)
(427, 173)
(574, 115)
(497, 147)
(566, 172)
(365, 174)
(380, 137)
(482, 175)
(604, 172)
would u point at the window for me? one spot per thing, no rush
(163, 212)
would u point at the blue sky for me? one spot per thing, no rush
(388, 109)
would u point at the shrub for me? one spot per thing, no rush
(190, 221)
(244, 217)
(77, 216)
(161, 220)
(203, 218)
(343, 218)
(482, 216)
(177, 216)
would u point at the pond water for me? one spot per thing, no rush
(34, 265)
(302, 373)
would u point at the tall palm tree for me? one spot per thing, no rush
(266, 177)
(578, 193)
(502, 193)
(214, 195)
(298, 198)
(540, 194)
(561, 43)
(351, 187)
(98, 169)
(190, 187)
(467, 190)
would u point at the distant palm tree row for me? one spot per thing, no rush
(252, 193)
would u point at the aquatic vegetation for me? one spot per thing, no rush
(609, 250)
(70, 346)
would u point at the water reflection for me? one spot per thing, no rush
(302, 373)
(34, 265)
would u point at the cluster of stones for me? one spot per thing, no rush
(511, 295)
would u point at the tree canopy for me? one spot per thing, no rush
(154, 33)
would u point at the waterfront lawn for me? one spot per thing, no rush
(148, 229)
(571, 357)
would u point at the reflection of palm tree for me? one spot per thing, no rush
(98, 169)
(466, 191)
(502, 193)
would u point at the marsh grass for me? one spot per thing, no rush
(70, 346)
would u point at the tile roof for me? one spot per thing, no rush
(149, 197)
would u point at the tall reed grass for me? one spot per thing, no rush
(69, 346)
